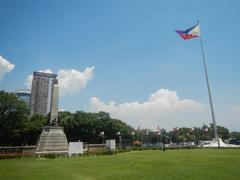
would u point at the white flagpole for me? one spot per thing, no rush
(209, 91)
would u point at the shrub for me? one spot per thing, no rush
(10, 156)
(50, 156)
(14, 156)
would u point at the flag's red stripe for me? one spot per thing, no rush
(188, 36)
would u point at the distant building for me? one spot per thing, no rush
(24, 95)
(41, 92)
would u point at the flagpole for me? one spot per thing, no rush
(209, 91)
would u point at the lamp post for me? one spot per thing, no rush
(133, 133)
(102, 134)
(175, 130)
(159, 133)
(120, 139)
(163, 139)
(146, 138)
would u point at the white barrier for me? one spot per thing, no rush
(75, 148)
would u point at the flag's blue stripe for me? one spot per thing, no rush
(186, 31)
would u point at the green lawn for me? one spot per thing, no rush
(194, 164)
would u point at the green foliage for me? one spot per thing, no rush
(49, 156)
(15, 156)
(235, 135)
(16, 127)
(13, 119)
(88, 126)
(10, 156)
(34, 128)
(223, 132)
(198, 133)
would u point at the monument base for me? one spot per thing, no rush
(217, 142)
(52, 141)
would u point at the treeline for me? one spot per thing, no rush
(16, 125)
(196, 134)
(87, 127)
(182, 135)
(18, 128)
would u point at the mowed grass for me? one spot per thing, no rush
(194, 164)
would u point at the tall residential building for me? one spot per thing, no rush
(24, 95)
(41, 92)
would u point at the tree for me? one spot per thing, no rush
(223, 132)
(34, 128)
(235, 135)
(13, 119)
(88, 126)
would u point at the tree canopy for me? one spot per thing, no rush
(87, 127)
(13, 119)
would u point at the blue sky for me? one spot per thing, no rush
(134, 49)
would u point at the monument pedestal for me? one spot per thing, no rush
(52, 141)
(217, 142)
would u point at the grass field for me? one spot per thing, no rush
(194, 164)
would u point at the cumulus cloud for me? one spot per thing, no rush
(229, 118)
(163, 108)
(233, 119)
(70, 81)
(5, 67)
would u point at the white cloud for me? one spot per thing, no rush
(70, 81)
(235, 115)
(162, 108)
(5, 67)
(233, 119)
(28, 81)
(229, 118)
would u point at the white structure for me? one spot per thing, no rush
(75, 148)
(24, 95)
(217, 142)
(111, 144)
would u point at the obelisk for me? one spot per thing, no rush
(54, 104)
(53, 139)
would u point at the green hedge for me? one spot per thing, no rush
(14, 156)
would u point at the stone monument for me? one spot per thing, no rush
(53, 139)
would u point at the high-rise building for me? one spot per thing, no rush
(24, 95)
(41, 92)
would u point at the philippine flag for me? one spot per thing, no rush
(190, 33)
